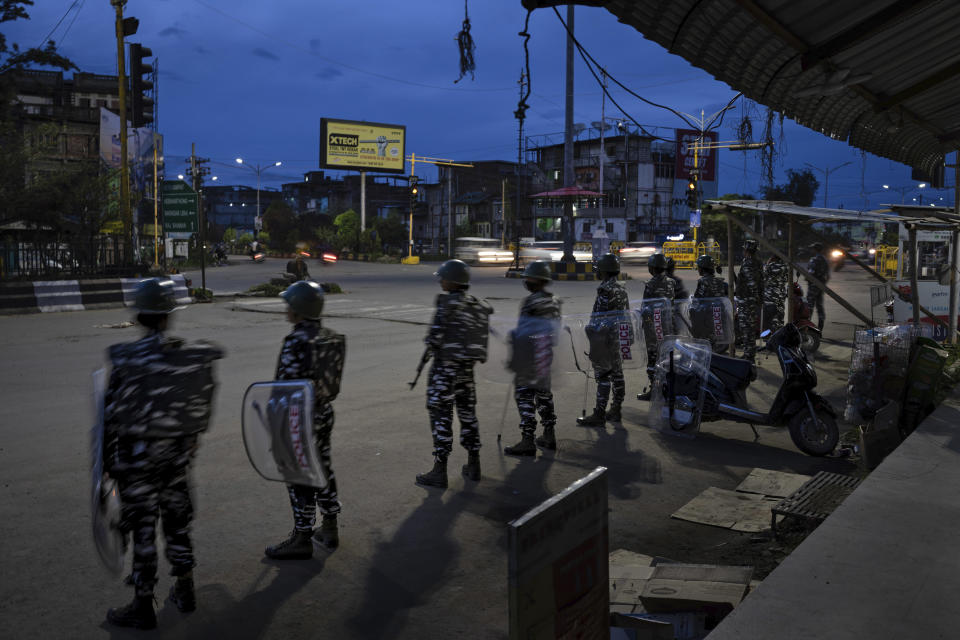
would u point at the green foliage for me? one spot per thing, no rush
(348, 230)
(267, 289)
(245, 239)
(330, 287)
(801, 188)
(230, 236)
(391, 231)
(281, 224)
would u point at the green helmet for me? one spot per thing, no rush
(155, 296)
(706, 263)
(538, 270)
(657, 261)
(456, 271)
(608, 263)
(305, 298)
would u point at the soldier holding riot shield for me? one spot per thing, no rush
(156, 405)
(709, 310)
(610, 311)
(532, 355)
(660, 286)
(313, 354)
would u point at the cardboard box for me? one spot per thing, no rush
(689, 587)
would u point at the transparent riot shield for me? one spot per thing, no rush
(606, 340)
(677, 396)
(654, 316)
(104, 495)
(708, 319)
(278, 432)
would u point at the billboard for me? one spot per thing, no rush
(558, 566)
(706, 160)
(362, 146)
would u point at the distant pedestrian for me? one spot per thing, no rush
(157, 404)
(533, 341)
(819, 268)
(749, 295)
(458, 340)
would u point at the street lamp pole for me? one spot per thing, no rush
(258, 169)
(826, 173)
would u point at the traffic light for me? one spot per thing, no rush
(693, 199)
(414, 191)
(141, 104)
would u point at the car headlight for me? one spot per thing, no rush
(836, 253)
(872, 251)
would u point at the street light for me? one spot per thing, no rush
(903, 191)
(826, 175)
(258, 169)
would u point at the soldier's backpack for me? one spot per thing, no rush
(467, 329)
(330, 352)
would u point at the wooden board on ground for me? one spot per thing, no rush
(629, 573)
(748, 512)
(777, 484)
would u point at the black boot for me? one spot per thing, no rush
(645, 396)
(182, 595)
(525, 447)
(614, 414)
(437, 477)
(139, 614)
(327, 535)
(548, 440)
(597, 419)
(296, 547)
(471, 470)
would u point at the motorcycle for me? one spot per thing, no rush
(258, 256)
(694, 385)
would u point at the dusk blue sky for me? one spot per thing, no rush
(252, 79)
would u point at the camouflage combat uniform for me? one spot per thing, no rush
(157, 403)
(819, 268)
(451, 376)
(532, 399)
(774, 292)
(659, 286)
(679, 291)
(749, 292)
(611, 296)
(304, 355)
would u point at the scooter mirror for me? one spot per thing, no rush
(766, 334)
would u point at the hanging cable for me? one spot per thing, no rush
(522, 106)
(466, 46)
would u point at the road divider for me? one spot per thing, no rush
(47, 296)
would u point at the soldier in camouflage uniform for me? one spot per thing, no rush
(660, 285)
(679, 291)
(311, 352)
(819, 268)
(708, 286)
(749, 293)
(611, 297)
(774, 292)
(459, 326)
(532, 399)
(157, 403)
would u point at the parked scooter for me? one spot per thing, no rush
(692, 386)
(810, 333)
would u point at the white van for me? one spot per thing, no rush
(481, 251)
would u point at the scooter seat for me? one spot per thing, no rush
(735, 372)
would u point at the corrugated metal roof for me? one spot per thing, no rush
(905, 54)
(895, 214)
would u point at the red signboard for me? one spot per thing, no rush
(687, 139)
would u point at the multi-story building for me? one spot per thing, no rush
(643, 196)
(235, 206)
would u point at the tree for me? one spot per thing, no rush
(348, 229)
(801, 188)
(391, 231)
(281, 224)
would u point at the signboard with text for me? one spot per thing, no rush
(558, 567)
(706, 158)
(362, 146)
(179, 205)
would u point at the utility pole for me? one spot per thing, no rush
(826, 178)
(954, 248)
(503, 211)
(196, 172)
(603, 155)
(569, 177)
(125, 218)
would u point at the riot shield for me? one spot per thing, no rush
(605, 340)
(677, 396)
(524, 351)
(708, 319)
(278, 432)
(655, 318)
(104, 495)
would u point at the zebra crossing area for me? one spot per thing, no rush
(348, 307)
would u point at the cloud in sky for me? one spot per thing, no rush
(328, 73)
(173, 31)
(267, 55)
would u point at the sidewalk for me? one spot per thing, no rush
(885, 564)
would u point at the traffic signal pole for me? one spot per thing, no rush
(122, 97)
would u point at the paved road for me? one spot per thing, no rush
(414, 563)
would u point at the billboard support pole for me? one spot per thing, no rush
(363, 201)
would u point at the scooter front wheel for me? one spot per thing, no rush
(810, 340)
(814, 436)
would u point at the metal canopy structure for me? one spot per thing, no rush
(882, 75)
